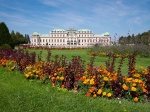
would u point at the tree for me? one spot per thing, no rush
(5, 37)
(27, 38)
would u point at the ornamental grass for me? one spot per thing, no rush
(91, 81)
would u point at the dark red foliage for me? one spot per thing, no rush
(148, 84)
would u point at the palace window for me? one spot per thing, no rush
(68, 42)
(71, 42)
(75, 42)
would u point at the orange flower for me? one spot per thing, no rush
(12, 68)
(92, 89)
(144, 90)
(62, 86)
(94, 96)
(4, 64)
(135, 99)
(88, 94)
(125, 87)
(136, 75)
(55, 74)
(89, 68)
(85, 72)
(83, 78)
(41, 77)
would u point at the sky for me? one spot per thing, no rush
(118, 17)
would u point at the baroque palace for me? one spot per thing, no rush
(71, 38)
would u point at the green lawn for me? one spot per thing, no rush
(20, 95)
(145, 62)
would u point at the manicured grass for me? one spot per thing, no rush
(145, 62)
(20, 95)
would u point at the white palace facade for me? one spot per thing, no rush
(60, 38)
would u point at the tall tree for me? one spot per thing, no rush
(5, 37)
(28, 38)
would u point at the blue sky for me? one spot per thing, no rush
(113, 16)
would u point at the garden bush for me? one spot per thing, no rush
(5, 46)
(141, 50)
(73, 75)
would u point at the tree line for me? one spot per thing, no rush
(12, 39)
(143, 38)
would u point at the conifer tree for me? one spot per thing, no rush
(5, 37)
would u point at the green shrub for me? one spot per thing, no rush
(5, 46)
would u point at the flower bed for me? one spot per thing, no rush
(91, 81)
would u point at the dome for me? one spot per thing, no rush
(106, 34)
(36, 34)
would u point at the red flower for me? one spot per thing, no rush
(136, 95)
(76, 79)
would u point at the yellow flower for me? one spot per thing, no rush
(133, 89)
(105, 78)
(134, 84)
(31, 74)
(86, 81)
(135, 99)
(99, 91)
(53, 84)
(109, 95)
(27, 76)
(128, 79)
(104, 93)
(55, 74)
(53, 78)
(85, 72)
(34, 71)
(58, 77)
(92, 82)
(61, 78)
(135, 80)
